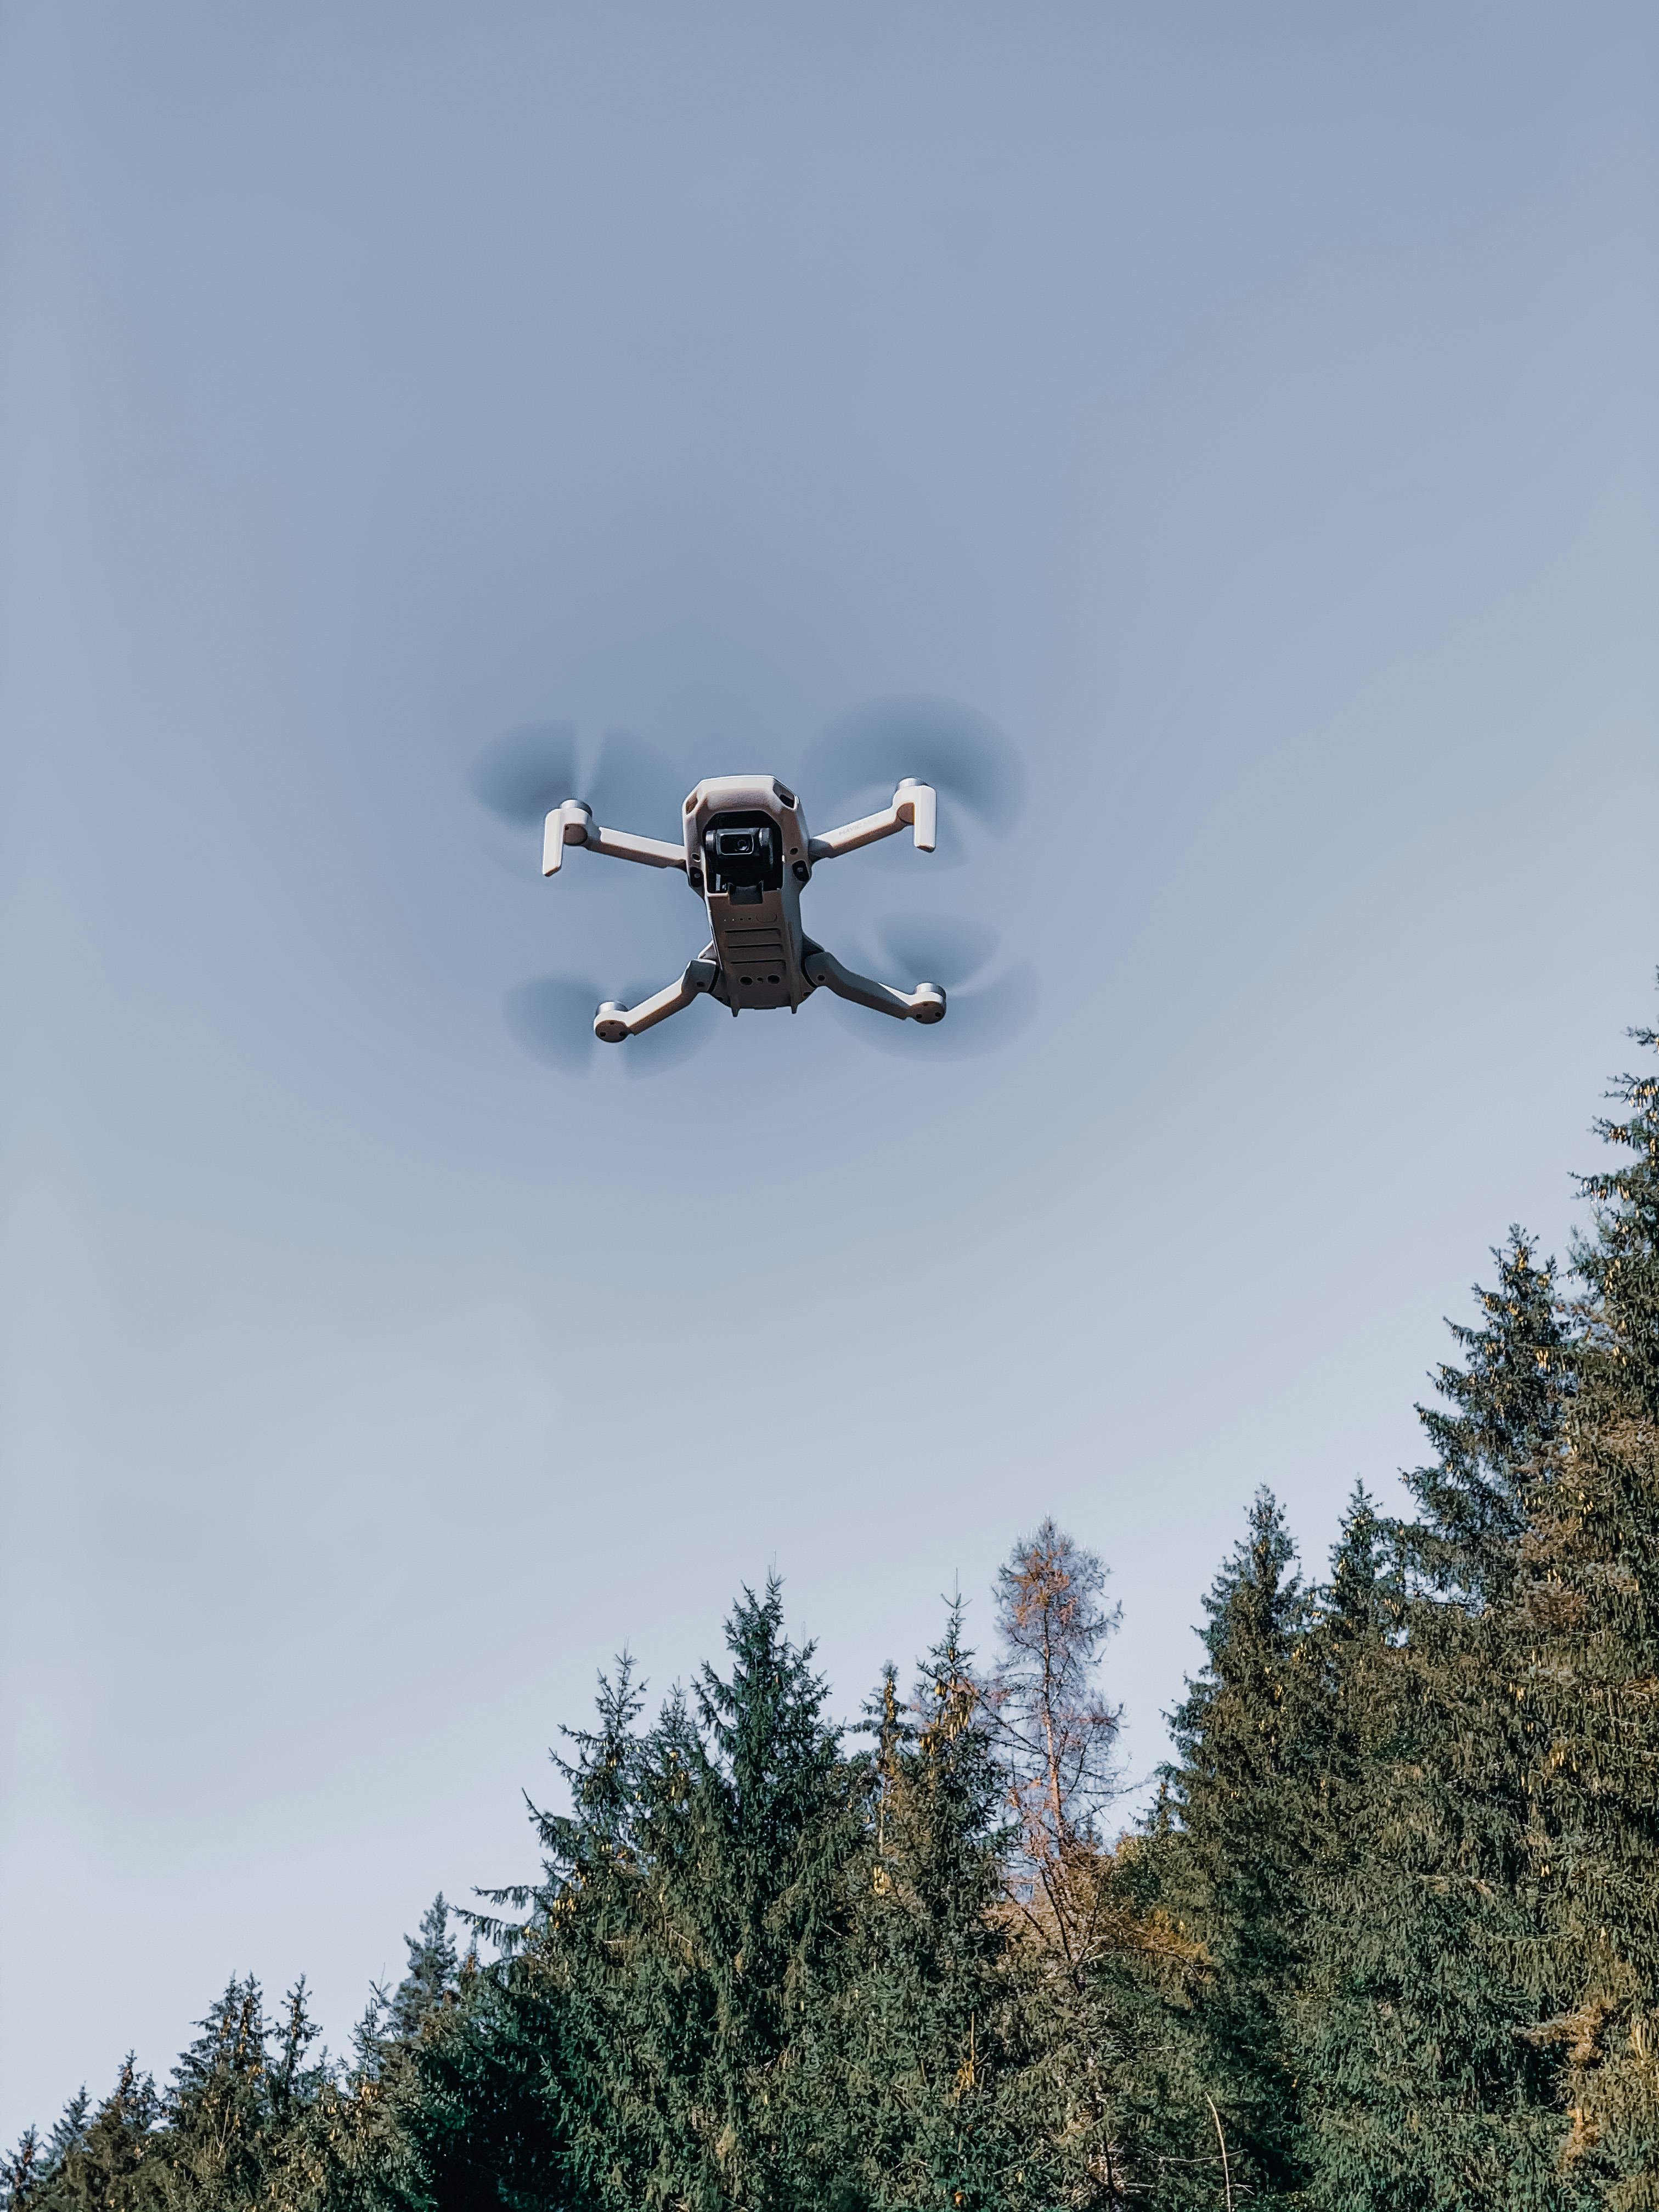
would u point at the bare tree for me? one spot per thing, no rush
(1056, 1734)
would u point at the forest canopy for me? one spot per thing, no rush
(1387, 1937)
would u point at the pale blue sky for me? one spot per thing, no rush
(1249, 411)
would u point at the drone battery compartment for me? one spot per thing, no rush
(756, 954)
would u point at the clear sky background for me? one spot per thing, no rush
(1248, 410)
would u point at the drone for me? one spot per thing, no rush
(748, 856)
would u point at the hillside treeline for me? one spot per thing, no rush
(1388, 1937)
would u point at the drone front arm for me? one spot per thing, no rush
(915, 806)
(623, 845)
(573, 823)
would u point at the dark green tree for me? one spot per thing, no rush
(1239, 1812)
(68, 2133)
(913, 2068)
(1423, 2086)
(23, 2170)
(526, 2092)
(749, 1824)
(217, 2109)
(104, 2160)
(660, 2004)
(1589, 1613)
(432, 1977)
(1618, 1261)
(483, 2117)
(1497, 1434)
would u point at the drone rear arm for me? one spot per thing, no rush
(914, 806)
(573, 823)
(925, 1004)
(613, 1022)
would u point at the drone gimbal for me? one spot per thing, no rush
(747, 854)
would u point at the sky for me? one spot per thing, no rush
(1246, 417)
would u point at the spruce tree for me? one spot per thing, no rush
(914, 2065)
(23, 2171)
(529, 2092)
(653, 2037)
(1423, 2086)
(69, 2134)
(110, 2159)
(1496, 1435)
(432, 1975)
(480, 2118)
(1589, 1610)
(216, 2107)
(1238, 1812)
(751, 1823)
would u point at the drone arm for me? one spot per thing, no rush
(623, 845)
(925, 1004)
(613, 1022)
(915, 806)
(573, 823)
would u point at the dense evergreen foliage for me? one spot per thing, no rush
(1388, 1937)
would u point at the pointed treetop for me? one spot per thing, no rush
(433, 1966)
(1353, 1600)
(1507, 1402)
(1620, 1262)
(1257, 1592)
(759, 1718)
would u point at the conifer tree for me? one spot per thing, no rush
(1238, 1811)
(1422, 2087)
(216, 2110)
(751, 1823)
(529, 2091)
(664, 1996)
(22, 2171)
(915, 2053)
(68, 2133)
(1618, 1262)
(433, 1968)
(476, 2114)
(109, 2159)
(1590, 1609)
(1495, 1439)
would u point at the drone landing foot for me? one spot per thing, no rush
(925, 1004)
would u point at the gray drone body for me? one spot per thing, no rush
(747, 854)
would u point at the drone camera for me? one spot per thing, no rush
(743, 858)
